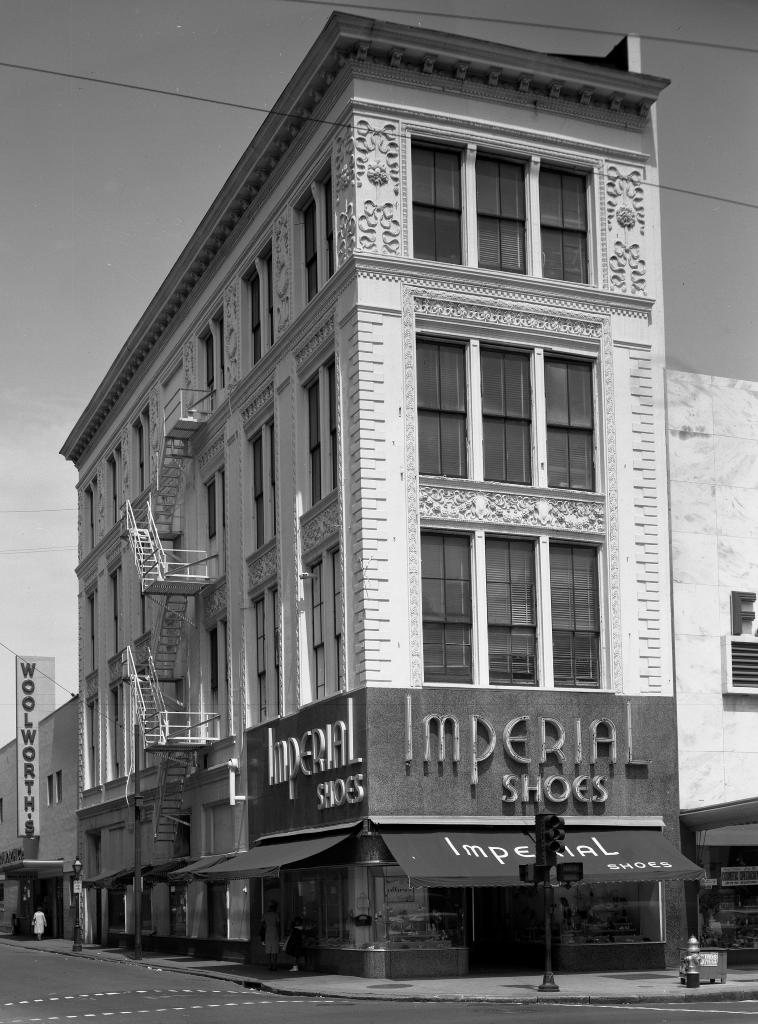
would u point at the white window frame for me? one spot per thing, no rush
(333, 651)
(532, 164)
(267, 437)
(329, 460)
(538, 352)
(544, 623)
(317, 195)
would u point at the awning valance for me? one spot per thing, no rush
(39, 868)
(266, 860)
(465, 857)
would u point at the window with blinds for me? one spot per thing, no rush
(441, 396)
(563, 225)
(506, 416)
(511, 612)
(576, 615)
(569, 415)
(446, 607)
(501, 215)
(436, 204)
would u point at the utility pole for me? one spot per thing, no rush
(137, 847)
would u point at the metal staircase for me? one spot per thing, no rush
(170, 731)
(174, 769)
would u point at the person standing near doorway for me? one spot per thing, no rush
(39, 923)
(271, 934)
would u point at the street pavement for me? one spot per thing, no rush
(503, 987)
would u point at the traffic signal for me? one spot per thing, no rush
(555, 834)
(550, 832)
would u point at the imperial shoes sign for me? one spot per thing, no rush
(35, 699)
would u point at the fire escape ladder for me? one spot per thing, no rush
(174, 768)
(169, 477)
(168, 635)
(149, 555)
(149, 705)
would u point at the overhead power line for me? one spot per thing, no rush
(489, 19)
(176, 94)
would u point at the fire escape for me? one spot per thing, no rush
(170, 731)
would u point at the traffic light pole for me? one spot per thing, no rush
(548, 981)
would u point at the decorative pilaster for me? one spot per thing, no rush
(232, 328)
(366, 172)
(626, 227)
(188, 361)
(282, 268)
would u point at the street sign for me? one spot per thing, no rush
(77, 885)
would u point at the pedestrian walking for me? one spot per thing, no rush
(296, 942)
(270, 934)
(39, 923)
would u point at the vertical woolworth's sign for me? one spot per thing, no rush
(35, 698)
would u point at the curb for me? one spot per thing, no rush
(703, 994)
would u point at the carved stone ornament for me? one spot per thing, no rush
(627, 269)
(125, 461)
(100, 500)
(626, 202)
(188, 362)
(263, 568)
(367, 176)
(282, 272)
(320, 528)
(625, 212)
(232, 332)
(313, 343)
(263, 397)
(343, 176)
(214, 604)
(494, 507)
(509, 316)
(90, 685)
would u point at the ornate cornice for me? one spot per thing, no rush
(263, 567)
(530, 511)
(316, 528)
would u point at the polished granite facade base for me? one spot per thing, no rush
(393, 963)
(627, 956)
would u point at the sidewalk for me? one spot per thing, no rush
(512, 987)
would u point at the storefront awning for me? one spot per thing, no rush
(161, 872)
(39, 868)
(194, 869)
(460, 858)
(266, 860)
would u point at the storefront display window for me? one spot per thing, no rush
(728, 900)
(416, 916)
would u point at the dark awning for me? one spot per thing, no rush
(192, 870)
(161, 872)
(482, 857)
(266, 860)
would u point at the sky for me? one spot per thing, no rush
(101, 186)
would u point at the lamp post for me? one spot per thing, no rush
(77, 866)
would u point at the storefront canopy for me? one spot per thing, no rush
(194, 869)
(460, 858)
(38, 868)
(266, 860)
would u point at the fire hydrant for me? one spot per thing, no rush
(692, 961)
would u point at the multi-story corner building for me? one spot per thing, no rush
(712, 438)
(388, 449)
